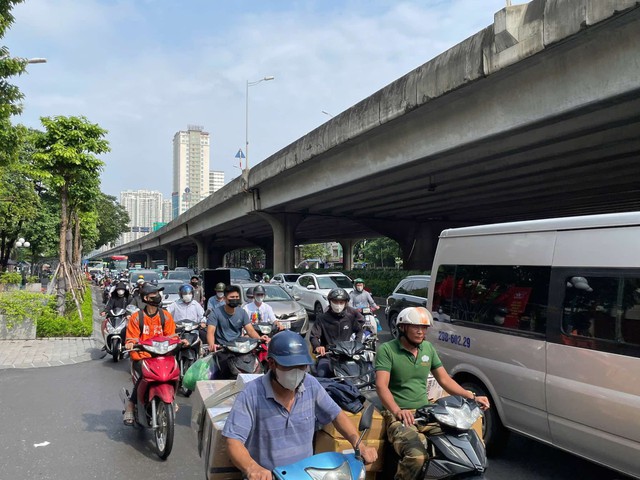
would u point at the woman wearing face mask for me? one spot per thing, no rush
(280, 409)
(119, 298)
(339, 323)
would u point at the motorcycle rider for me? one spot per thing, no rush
(156, 322)
(119, 299)
(216, 300)
(360, 298)
(259, 311)
(187, 308)
(272, 421)
(402, 368)
(136, 298)
(339, 323)
(198, 291)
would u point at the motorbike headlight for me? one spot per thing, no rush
(241, 347)
(462, 418)
(343, 472)
(161, 348)
(111, 329)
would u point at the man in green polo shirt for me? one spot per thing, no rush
(402, 368)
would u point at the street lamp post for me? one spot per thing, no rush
(20, 244)
(246, 131)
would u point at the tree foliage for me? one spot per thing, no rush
(112, 220)
(381, 252)
(314, 250)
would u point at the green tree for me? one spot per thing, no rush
(112, 220)
(381, 251)
(67, 153)
(314, 250)
(10, 95)
(43, 229)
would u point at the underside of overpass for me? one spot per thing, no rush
(555, 134)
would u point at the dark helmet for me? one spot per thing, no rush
(184, 289)
(289, 349)
(338, 294)
(259, 290)
(220, 287)
(250, 291)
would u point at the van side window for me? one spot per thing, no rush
(503, 297)
(602, 307)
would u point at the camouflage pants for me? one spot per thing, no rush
(409, 444)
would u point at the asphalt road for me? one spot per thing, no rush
(77, 410)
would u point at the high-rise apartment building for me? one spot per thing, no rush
(167, 215)
(216, 181)
(190, 168)
(144, 208)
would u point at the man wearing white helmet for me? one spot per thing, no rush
(402, 368)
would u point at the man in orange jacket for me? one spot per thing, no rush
(155, 322)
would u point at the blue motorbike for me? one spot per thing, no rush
(330, 465)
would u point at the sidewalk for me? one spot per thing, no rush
(52, 352)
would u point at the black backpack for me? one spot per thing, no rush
(141, 319)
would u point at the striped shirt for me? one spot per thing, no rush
(274, 436)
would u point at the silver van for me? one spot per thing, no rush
(544, 317)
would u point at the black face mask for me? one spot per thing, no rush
(195, 284)
(234, 303)
(154, 300)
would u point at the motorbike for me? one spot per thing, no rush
(114, 329)
(268, 329)
(240, 357)
(330, 465)
(455, 448)
(154, 405)
(354, 361)
(188, 354)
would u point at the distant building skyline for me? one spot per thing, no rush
(216, 180)
(144, 208)
(191, 151)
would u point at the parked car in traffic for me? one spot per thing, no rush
(313, 288)
(238, 274)
(148, 276)
(287, 310)
(183, 275)
(286, 280)
(170, 293)
(411, 291)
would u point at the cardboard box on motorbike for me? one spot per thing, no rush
(212, 403)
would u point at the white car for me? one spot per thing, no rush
(170, 293)
(313, 288)
(285, 280)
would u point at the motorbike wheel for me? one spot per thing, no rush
(494, 434)
(165, 419)
(116, 351)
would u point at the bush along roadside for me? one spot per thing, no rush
(18, 306)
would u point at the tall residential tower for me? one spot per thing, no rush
(190, 168)
(144, 208)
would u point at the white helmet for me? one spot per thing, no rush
(415, 316)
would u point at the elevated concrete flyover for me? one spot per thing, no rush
(536, 116)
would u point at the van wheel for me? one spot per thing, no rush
(494, 434)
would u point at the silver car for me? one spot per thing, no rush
(287, 310)
(170, 293)
(286, 280)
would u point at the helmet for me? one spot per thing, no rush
(185, 289)
(250, 291)
(220, 287)
(266, 278)
(338, 294)
(289, 349)
(415, 316)
(358, 280)
(140, 281)
(258, 290)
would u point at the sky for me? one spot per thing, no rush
(145, 69)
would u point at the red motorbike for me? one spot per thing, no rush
(154, 406)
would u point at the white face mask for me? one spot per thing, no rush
(359, 289)
(337, 307)
(120, 293)
(219, 294)
(290, 379)
(259, 298)
(187, 298)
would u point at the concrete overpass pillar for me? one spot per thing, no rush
(347, 253)
(171, 257)
(149, 262)
(216, 257)
(203, 254)
(284, 226)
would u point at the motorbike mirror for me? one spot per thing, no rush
(366, 418)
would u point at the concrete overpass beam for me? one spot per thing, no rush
(284, 226)
(347, 253)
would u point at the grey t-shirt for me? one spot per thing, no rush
(228, 327)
